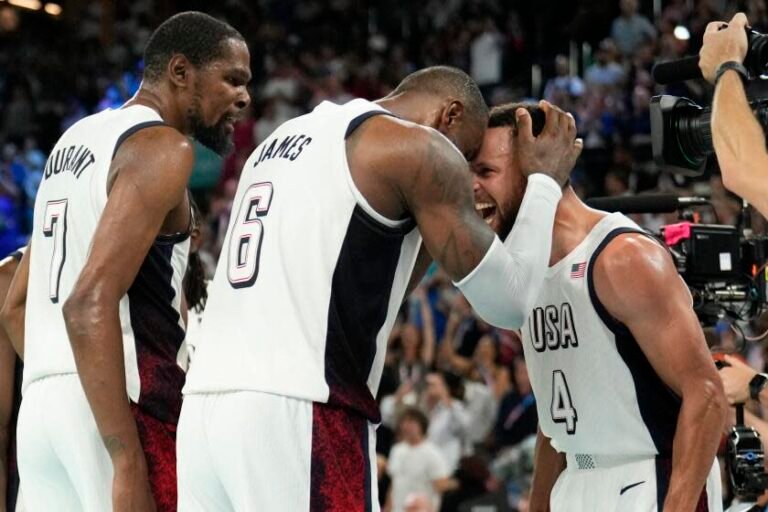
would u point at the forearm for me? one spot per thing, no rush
(699, 428)
(739, 142)
(547, 466)
(95, 334)
(503, 287)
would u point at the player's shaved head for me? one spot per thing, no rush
(446, 82)
(197, 36)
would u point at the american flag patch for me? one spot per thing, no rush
(578, 269)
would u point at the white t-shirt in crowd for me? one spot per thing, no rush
(413, 470)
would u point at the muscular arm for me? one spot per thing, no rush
(739, 143)
(7, 363)
(15, 305)
(547, 466)
(431, 180)
(658, 313)
(152, 169)
(737, 136)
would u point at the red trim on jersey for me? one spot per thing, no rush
(340, 471)
(158, 440)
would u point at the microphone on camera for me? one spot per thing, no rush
(645, 203)
(677, 70)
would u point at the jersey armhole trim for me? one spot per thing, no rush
(133, 129)
(401, 225)
(614, 325)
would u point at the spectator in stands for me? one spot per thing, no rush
(564, 88)
(416, 466)
(631, 29)
(605, 72)
(486, 56)
(449, 421)
(517, 418)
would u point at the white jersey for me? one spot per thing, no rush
(596, 393)
(310, 278)
(69, 204)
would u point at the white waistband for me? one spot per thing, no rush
(595, 461)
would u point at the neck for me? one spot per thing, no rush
(573, 222)
(159, 98)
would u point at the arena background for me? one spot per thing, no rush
(62, 61)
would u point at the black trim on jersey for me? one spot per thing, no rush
(355, 123)
(360, 294)
(384, 230)
(177, 238)
(157, 334)
(17, 255)
(408, 223)
(133, 129)
(659, 406)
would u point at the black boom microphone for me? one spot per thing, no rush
(756, 62)
(645, 203)
(677, 70)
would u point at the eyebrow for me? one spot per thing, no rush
(241, 74)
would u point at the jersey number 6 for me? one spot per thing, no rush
(247, 233)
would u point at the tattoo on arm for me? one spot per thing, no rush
(442, 202)
(113, 444)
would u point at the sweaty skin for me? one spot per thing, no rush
(146, 197)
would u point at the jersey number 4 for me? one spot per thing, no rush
(247, 234)
(55, 226)
(562, 407)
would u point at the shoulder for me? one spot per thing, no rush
(157, 142)
(633, 272)
(631, 254)
(396, 139)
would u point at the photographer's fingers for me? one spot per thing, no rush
(714, 26)
(739, 21)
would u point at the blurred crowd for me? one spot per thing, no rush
(459, 418)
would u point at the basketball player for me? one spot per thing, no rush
(10, 395)
(630, 405)
(109, 250)
(327, 223)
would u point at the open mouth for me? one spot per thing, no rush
(486, 211)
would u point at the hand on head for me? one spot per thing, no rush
(723, 42)
(555, 150)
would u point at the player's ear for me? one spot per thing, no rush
(180, 71)
(452, 114)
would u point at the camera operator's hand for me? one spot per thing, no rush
(736, 379)
(723, 45)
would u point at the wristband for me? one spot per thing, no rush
(756, 385)
(734, 65)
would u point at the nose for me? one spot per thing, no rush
(243, 100)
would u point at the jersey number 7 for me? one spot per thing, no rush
(55, 227)
(247, 233)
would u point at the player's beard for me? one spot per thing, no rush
(216, 138)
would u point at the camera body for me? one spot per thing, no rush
(745, 458)
(720, 267)
(681, 133)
